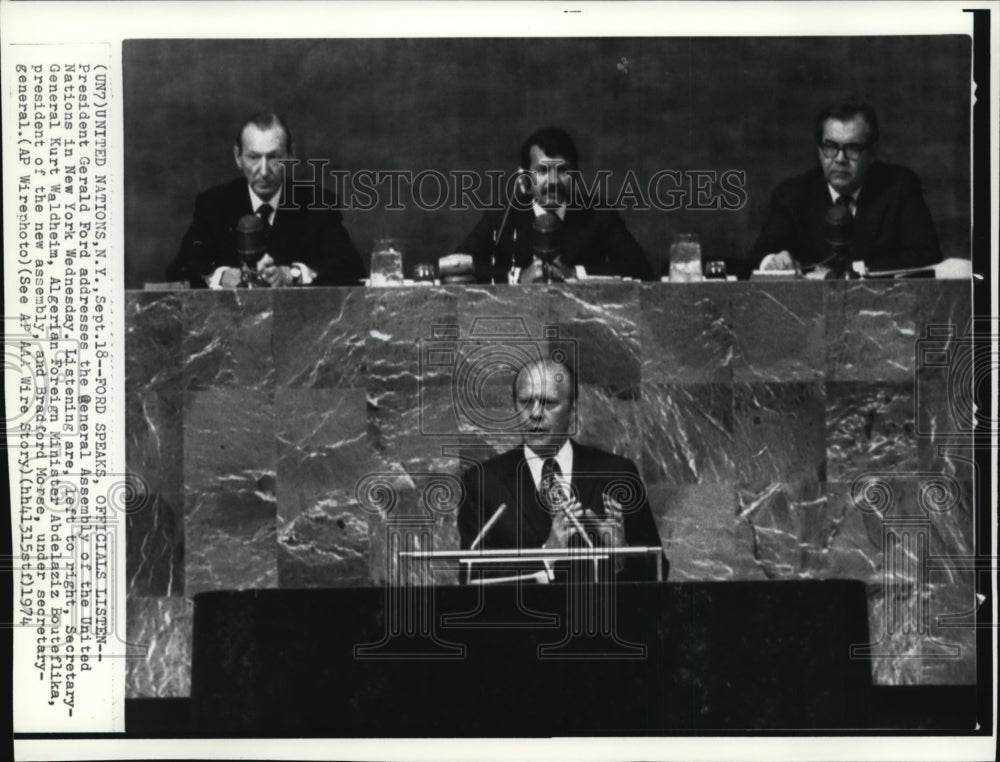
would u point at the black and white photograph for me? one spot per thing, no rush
(562, 372)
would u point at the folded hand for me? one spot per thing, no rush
(782, 260)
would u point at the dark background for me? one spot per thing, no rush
(444, 104)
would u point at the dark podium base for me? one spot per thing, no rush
(549, 660)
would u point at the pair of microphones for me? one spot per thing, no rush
(545, 233)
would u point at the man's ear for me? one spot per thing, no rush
(237, 152)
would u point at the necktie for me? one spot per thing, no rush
(264, 212)
(846, 201)
(550, 487)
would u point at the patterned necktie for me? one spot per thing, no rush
(846, 201)
(550, 487)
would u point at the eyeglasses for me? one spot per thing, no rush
(852, 151)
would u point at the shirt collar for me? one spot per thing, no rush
(564, 458)
(835, 194)
(559, 212)
(256, 201)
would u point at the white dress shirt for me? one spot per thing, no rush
(539, 210)
(835, 194)
(564, 458)
(306, 274)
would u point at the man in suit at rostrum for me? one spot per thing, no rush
(892, 227)
(305, 242)
(585, 234)
(555, 492)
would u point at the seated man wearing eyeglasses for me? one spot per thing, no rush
(892, 228)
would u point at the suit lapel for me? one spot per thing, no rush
(819, 204)
(231, 207)
(587, 478)
(521, 246)
(574, 236)
(284, 233)
(239, 203)
(526, 524)
(511, 485)
(869, 212)
(536, 521)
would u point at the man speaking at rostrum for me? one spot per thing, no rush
(552, 492)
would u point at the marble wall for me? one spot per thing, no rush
(783, 430)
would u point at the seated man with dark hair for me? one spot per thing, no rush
(595, 239)
(891, 229)
(302, 239)
(553, 492)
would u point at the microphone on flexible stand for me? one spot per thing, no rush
(250, 238)
(482, 533)
(487, 526)
(519, 186)
(839, 224)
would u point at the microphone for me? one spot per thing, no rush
(482, 533)
(545, 237)
(544, 245)
(520, 189)
(487, 526)
(839, 229)
(249, 237)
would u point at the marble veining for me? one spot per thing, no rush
(783, 431)
(159, 629)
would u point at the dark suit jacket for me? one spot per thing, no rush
(596, 239)
(506, 479)
(893, 228)
(303, 231)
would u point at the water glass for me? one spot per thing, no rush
(387, 262)
(685, 258)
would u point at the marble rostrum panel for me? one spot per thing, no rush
(783, 431)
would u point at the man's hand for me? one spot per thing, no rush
(609, 529)
(819, 272)
(562, 526)
(232, 277)
(534, 273)
(782, 260)
(612, 526)
(276, 276)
